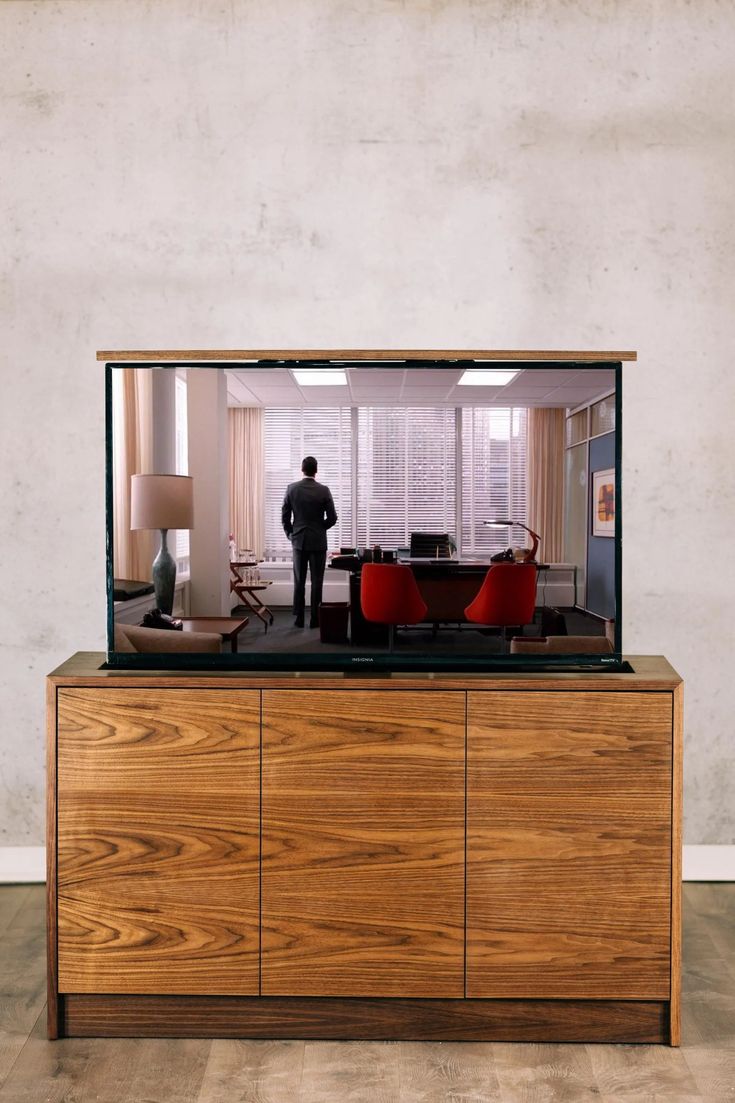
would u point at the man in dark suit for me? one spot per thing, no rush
(307, 512)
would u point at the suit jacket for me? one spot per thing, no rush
(307, 512)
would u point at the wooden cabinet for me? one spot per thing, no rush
(454, 856)
(363, 844)
(158, 849)
(569, 845)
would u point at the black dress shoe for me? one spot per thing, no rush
(313, 624)
(299, 622)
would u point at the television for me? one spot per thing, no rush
(476, 520)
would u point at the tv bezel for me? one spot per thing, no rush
(364, 663)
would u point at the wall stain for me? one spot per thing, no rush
(43, 103)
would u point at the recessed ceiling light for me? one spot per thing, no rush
(320, 377)
(486, 377)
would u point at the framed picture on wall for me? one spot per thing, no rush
(603, 502)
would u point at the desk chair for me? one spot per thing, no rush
(430, 545)
(389, 595)
(507, 597)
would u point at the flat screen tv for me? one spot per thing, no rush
(458, 511)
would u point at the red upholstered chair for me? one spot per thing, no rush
(389, 595)
(506, 598)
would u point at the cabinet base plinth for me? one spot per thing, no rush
(375, 1019)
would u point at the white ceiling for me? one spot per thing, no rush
(401, 386)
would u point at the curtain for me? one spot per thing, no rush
(546, 481)
(133, 552)
(247, 498)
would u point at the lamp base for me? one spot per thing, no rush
(164, 576)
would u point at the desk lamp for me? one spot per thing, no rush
(530, 556)
(162, 502)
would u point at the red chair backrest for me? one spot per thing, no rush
(507, 596)
(389, 594)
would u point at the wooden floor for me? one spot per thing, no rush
(33, 1070)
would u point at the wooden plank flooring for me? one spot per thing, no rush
(84, 1070)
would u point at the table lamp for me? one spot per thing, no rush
(162, 502)
(530, 556)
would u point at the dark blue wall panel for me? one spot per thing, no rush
(600, 549)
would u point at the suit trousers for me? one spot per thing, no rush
(315, 562)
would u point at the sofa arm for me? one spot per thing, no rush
(163, 641)
(560, 645)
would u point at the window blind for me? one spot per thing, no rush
(289, 435)
(406, 479)
(493, 476)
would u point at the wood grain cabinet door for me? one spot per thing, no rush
(363, 843)
(158, 850)
(569, 844)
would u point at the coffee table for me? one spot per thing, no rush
(227, 627)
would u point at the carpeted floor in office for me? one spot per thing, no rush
(467, 639)
(33, 1070)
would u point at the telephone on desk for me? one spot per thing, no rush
(156, 619)
(503, 556)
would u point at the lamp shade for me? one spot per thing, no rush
(161, 502)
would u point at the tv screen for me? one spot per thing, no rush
(442, 513)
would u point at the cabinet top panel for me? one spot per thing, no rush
(160, 355)
(650, 672)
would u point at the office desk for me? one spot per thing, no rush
(446, 585)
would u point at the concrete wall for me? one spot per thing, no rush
(268, 173)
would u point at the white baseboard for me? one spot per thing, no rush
(708, 863)
(24, 865)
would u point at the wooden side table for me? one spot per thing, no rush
(228, 628)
